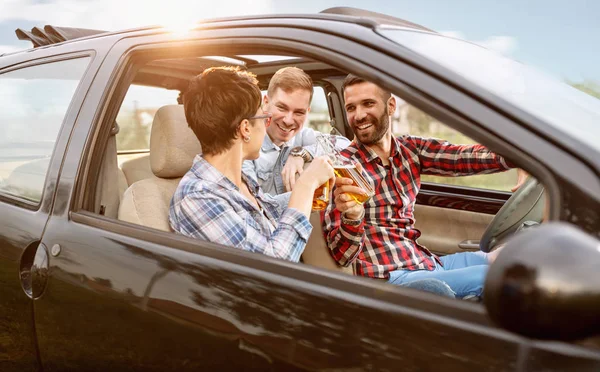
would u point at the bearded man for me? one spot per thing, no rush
(379, 236)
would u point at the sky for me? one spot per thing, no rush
(559, 37)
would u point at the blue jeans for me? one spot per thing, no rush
(431, 285)
(463, 272)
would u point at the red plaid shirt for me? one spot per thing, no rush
(386, 239)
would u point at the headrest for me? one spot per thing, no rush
(173, 145)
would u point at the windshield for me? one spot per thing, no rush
(556, 103)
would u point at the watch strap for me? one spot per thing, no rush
(347, 221)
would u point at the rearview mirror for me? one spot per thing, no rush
(545, 284)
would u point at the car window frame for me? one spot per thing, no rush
(80, 210)
(65, 126)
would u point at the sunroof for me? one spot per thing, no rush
(268, 58)
(228, 60)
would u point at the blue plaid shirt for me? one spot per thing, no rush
(207, 205)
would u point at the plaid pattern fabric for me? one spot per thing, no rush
(386, 239)
(208, 206)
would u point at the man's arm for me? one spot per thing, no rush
(442, 158)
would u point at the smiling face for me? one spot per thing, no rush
(368, 112)
(289, 110)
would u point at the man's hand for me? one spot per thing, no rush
(294, 165)
(521, 178)
(344, 202)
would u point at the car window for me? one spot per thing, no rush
(318, 117)
(410, 120)
(33, 103)
(574, 113)
(136, 115)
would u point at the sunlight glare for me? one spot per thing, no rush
(179, 23)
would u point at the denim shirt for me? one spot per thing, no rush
(266, 170)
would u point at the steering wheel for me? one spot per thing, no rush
(525, 204)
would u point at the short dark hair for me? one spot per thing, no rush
(353, 80)
(216, 101)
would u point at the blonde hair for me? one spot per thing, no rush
(289, 79)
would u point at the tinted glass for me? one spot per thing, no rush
(33, 103)
(560, 105)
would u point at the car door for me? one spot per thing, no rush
(38, 102)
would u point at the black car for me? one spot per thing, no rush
(93, 142)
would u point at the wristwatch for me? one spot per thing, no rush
(301, 152)
(356, 222)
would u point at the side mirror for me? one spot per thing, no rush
(545, 284)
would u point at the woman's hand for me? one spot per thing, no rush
(318, 172)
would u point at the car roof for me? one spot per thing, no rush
(50, 35)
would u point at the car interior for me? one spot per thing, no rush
(135, 185)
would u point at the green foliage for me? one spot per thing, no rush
(590, 87)
(133, 134)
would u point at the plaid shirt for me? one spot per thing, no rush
(386, 239)
(208, 206)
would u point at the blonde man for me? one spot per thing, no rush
(287, 145)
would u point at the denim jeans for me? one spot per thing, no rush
(463, 272)
(431, 285)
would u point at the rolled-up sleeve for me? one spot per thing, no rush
(438, 157)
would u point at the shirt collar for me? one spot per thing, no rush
(369, 155)
(252, 185)
(268, 144)
(205, 171)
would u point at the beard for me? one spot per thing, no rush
(380, 125)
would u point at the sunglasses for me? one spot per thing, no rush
(267, 117)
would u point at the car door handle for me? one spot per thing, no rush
(469, 245)
(34, 270)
